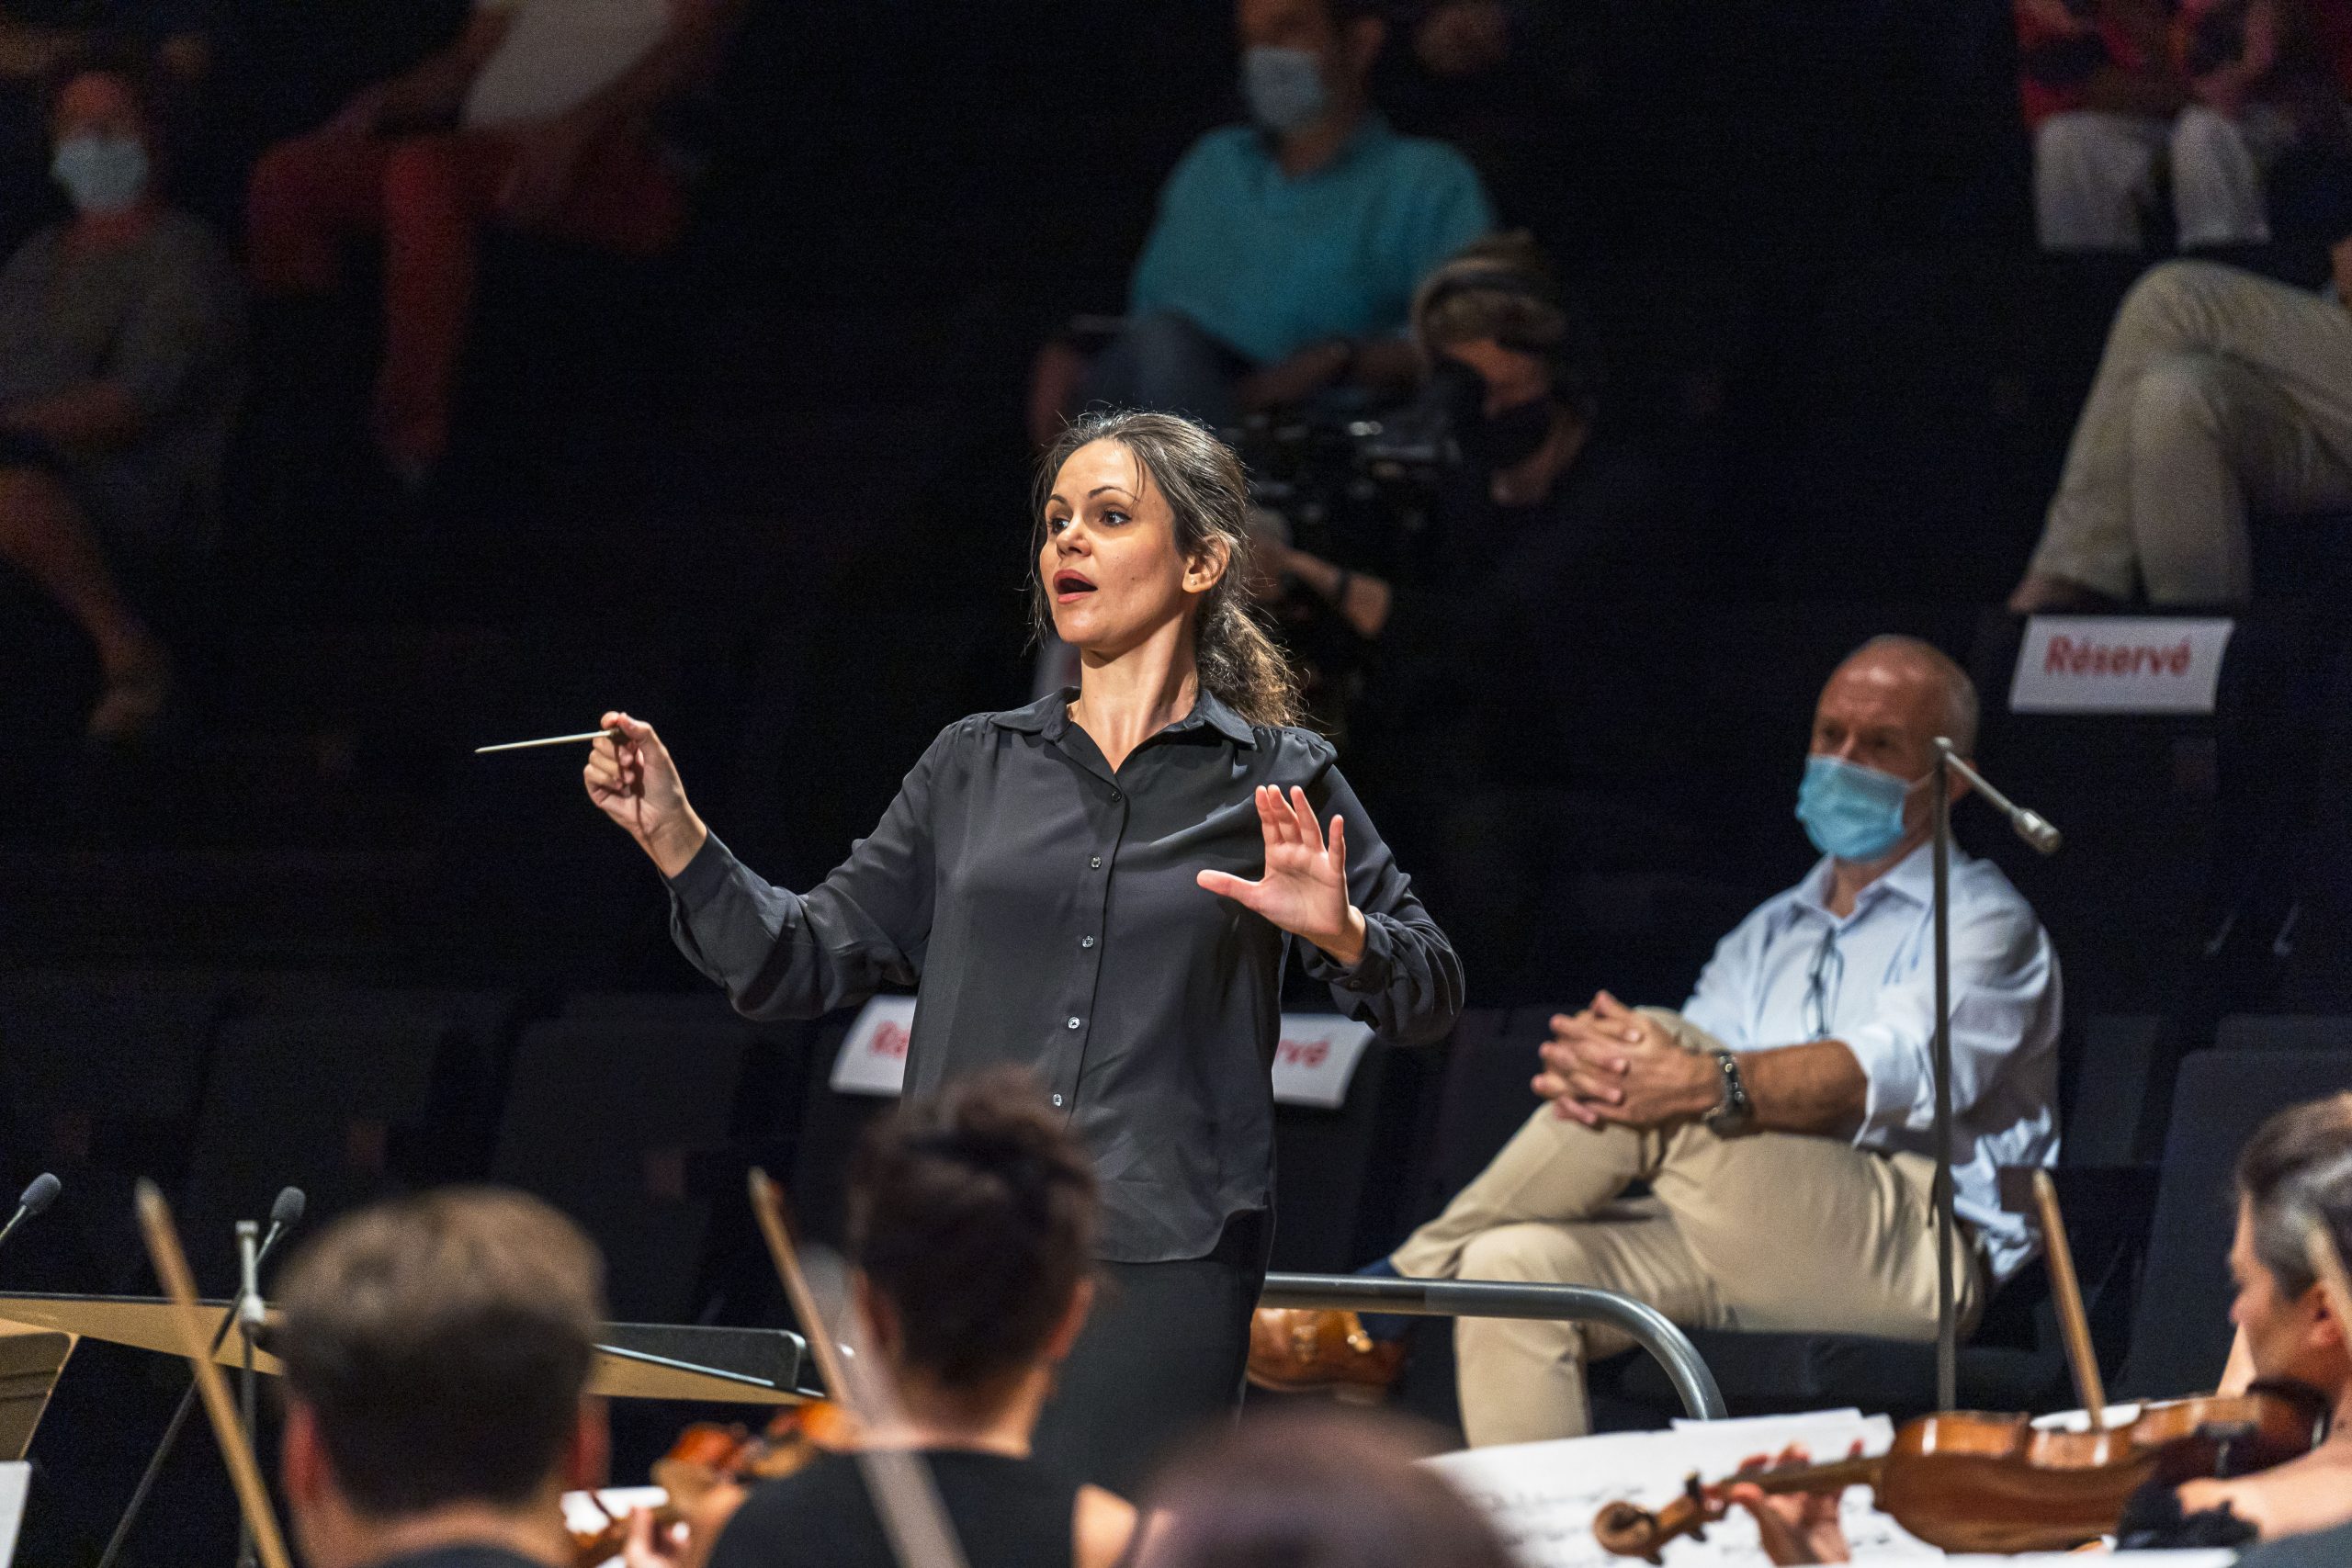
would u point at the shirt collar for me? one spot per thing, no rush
(1049, 716)
(1912, 877)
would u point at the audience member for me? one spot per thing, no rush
(2221, 393)
(539, 116)
(1782, 1118)
(437, 1352)
(1319, 1490)
(119, 335)
(1285, 251)
(1542, 497)
(971, 1228)
(2127, 98)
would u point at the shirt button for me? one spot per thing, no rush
(1095, 864)
(1116, 796)
(1057, 1099)
(1073, 1024)
(1086, 941)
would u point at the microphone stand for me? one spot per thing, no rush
(249, 1320)
(2036, 831)
(283, 1216)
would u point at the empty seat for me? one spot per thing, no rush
(2180, 1335)
(331, 1105)
(620, 1124)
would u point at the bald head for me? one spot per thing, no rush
(1886, 704)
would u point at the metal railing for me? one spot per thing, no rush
(1644, 1324)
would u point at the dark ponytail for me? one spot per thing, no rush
(1206, 490)
(972, 1213)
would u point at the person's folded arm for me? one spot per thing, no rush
(2005, 993)
(94, 414)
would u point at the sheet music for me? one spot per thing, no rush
(1543, 1497)
(580, 1513)
(16, 1479)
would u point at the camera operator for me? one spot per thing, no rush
(1544, 498)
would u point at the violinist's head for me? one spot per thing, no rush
(2296, 1169)
(971, 1229)
(1143, 542)
(436, 1349)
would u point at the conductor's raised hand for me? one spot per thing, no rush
(632, 780)
(1305, 889)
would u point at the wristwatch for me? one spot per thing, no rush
(1735, 1113)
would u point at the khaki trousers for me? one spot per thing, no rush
(2220, 392)
(1769, 1231)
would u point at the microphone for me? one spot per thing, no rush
(2029, 825)
(37, 1195)
(285, 1213)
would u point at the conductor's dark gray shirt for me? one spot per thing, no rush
(1047, 909)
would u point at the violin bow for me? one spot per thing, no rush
(171, 1266)
(2074, 1323)
(904, 1493)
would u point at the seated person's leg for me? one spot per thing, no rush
(2093, 177)
(1811, 1234)
(44, 534)
(1164, 362)
(2218, 194)
(1552, 1171)
(1523, 1380)
(438, 191)
(2212, 438)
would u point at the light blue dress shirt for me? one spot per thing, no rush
(1268, 264)
(1791, 973)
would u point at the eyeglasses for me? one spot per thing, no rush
(1822, 983)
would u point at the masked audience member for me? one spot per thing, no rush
(120, 337)
(1287, 250)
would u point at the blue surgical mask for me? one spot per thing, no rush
(102, 174)
(1850, 812)
(1284, 87)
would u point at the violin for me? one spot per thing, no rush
(709, 1455)
(1968, 1481)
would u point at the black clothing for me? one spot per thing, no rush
(2153, 1522)
(461, 1557)
(1162, 1355)
(1009, 1512)
(1050, 911)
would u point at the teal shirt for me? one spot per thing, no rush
(1268, 264)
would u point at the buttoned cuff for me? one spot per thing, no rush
(712, 869)
(1369, 974)
(1894, 1077)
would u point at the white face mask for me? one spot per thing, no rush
(102, 173)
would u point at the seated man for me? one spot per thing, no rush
(119, 335)
(1782, 1118)
(539, 116)
(1286, 254)
(2220, 392)
(2125, 100)
(437, 1352)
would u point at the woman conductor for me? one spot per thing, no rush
(1101, 888)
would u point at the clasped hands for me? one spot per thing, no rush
(1610, 1066)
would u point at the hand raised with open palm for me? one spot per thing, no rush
(1304, 888)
